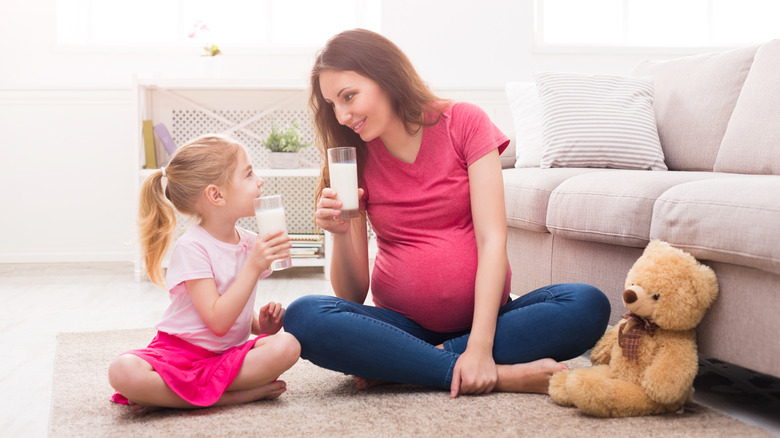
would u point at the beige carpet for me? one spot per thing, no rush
(319, 402)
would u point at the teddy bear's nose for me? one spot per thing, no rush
(629, 296)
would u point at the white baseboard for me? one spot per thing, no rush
(68, 257)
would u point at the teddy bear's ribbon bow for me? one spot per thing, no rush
(629, 341)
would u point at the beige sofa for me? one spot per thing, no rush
(718, 122)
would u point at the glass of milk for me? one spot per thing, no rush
(269, 212)
(342, 167)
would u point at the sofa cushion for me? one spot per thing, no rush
(598, 121)
(527, 192)
(733, 220)
(527, 117)
(752, 140)
(694, 99)
(508, 156)
(613, 206)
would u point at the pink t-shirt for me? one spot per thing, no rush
(426, 264)
(197, 254)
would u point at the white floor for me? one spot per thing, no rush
(39, 301)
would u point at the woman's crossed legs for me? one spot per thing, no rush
(533, 333)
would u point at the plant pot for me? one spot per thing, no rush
(284, 160)
(211, 66)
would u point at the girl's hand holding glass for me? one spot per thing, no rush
(269, 212)
(269, 248)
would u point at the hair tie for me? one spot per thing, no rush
(163, 172)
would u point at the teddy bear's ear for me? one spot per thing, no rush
(706, 285)
(654, 244)
(659, 248)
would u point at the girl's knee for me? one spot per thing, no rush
(283, 347)
(125, 371)
(289, 347)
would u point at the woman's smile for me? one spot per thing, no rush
(359, 126)
(354, 99)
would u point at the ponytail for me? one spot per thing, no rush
(156, 222)
(209, 159)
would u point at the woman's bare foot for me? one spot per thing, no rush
(363, 383)
(528, 377)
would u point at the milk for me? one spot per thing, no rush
(268, 221)
(271, 220)
(343, 179)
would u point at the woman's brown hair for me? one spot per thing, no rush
(371, 55)
(206, 160)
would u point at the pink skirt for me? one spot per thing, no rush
(197, 375)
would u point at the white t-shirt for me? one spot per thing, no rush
(197, 254)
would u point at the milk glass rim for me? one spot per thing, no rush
(259, 201)
(338, 152)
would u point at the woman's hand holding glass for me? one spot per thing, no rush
(328, 207)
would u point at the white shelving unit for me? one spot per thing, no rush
(245, 110)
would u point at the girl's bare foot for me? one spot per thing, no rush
(139, 410)
(528, 377)
(268, 391)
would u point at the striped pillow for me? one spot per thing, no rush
(598, 121)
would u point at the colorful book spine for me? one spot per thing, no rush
(151, 156)
(165, 138)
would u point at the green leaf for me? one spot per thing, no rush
(289, 140)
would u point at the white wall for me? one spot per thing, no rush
(68, 120)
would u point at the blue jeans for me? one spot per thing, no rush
(561, 321)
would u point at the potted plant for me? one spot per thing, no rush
(210, 62)
(284, 147)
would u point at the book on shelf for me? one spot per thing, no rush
(306, 245)
(304, 252)
(149, 149)
(306, 237)
(163, 158)
(165, 138)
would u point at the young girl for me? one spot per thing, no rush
(431, 185)
(202, 354)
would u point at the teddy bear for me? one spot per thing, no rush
(646, 363)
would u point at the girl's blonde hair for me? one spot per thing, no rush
(371, 55)
(206, 160)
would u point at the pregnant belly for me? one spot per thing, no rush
(434, 287)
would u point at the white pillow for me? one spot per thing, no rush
(598, 121)
(527, 115)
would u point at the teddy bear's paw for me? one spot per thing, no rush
(557, 389)
(613, 398)
(591, 392)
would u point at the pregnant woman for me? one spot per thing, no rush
(432, 189)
